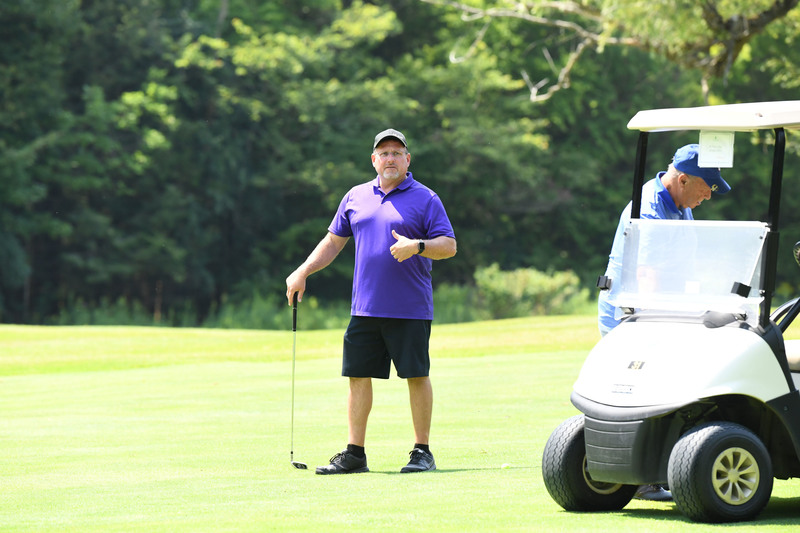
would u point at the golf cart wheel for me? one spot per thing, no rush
(567, 478)
(720, 472)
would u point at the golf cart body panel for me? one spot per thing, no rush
(635, 449)
(696, 375)
(733, 360)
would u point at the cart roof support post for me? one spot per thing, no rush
(769, 268)
(638, 174)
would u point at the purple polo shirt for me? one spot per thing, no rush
(382, 287)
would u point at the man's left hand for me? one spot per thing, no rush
(404, 247)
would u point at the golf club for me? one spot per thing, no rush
(296, 464)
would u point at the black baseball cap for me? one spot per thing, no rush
(389, 134)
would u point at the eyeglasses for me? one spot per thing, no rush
(393, 153)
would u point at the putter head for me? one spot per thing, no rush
(299, 465)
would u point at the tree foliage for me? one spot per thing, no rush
(705, 35)
(179, 157)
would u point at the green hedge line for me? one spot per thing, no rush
(496, 294)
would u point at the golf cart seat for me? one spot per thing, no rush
(793, 354)
(793, 346)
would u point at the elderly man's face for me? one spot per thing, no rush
(693, 191)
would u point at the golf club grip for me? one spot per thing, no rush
(294, 312)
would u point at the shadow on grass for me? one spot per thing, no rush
(455, 470)
(779, 511)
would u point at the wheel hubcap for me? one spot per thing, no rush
(598, 486)
(735, 476)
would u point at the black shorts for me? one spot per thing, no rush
(372, 343)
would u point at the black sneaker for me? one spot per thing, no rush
(653, 493)
(344, 463)
(420, 461)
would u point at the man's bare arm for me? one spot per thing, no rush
(322, 256)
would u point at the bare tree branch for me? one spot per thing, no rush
(222, 16)
(563, 76)
(735, 32)
(472, 47)
(713, 53)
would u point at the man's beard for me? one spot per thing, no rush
(391, 173)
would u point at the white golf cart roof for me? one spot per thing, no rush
(728, 117)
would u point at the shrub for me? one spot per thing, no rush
(104, 313)
(526, 291)
(272, 312)
(497, 294)
(457, 303)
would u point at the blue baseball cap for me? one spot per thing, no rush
(685, 160)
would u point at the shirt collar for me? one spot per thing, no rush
(665, 196)
(405, 184)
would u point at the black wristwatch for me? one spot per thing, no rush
(420, 246)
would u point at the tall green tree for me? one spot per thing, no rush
(31, 111)
(73, 153)
(589, 67)
(177, 157)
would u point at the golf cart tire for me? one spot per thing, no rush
(566, 478)
(720, 472)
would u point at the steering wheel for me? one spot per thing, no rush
(796, 252)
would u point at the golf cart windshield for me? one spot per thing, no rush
(687, 286)
(691, 266)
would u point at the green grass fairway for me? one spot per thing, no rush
(151, 429)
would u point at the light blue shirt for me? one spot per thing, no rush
(658, 204)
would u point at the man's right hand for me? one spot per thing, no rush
(295, 283)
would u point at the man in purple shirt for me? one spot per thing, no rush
(399, 227)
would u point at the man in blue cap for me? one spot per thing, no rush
(671, 195)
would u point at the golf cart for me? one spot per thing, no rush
(696, 387)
